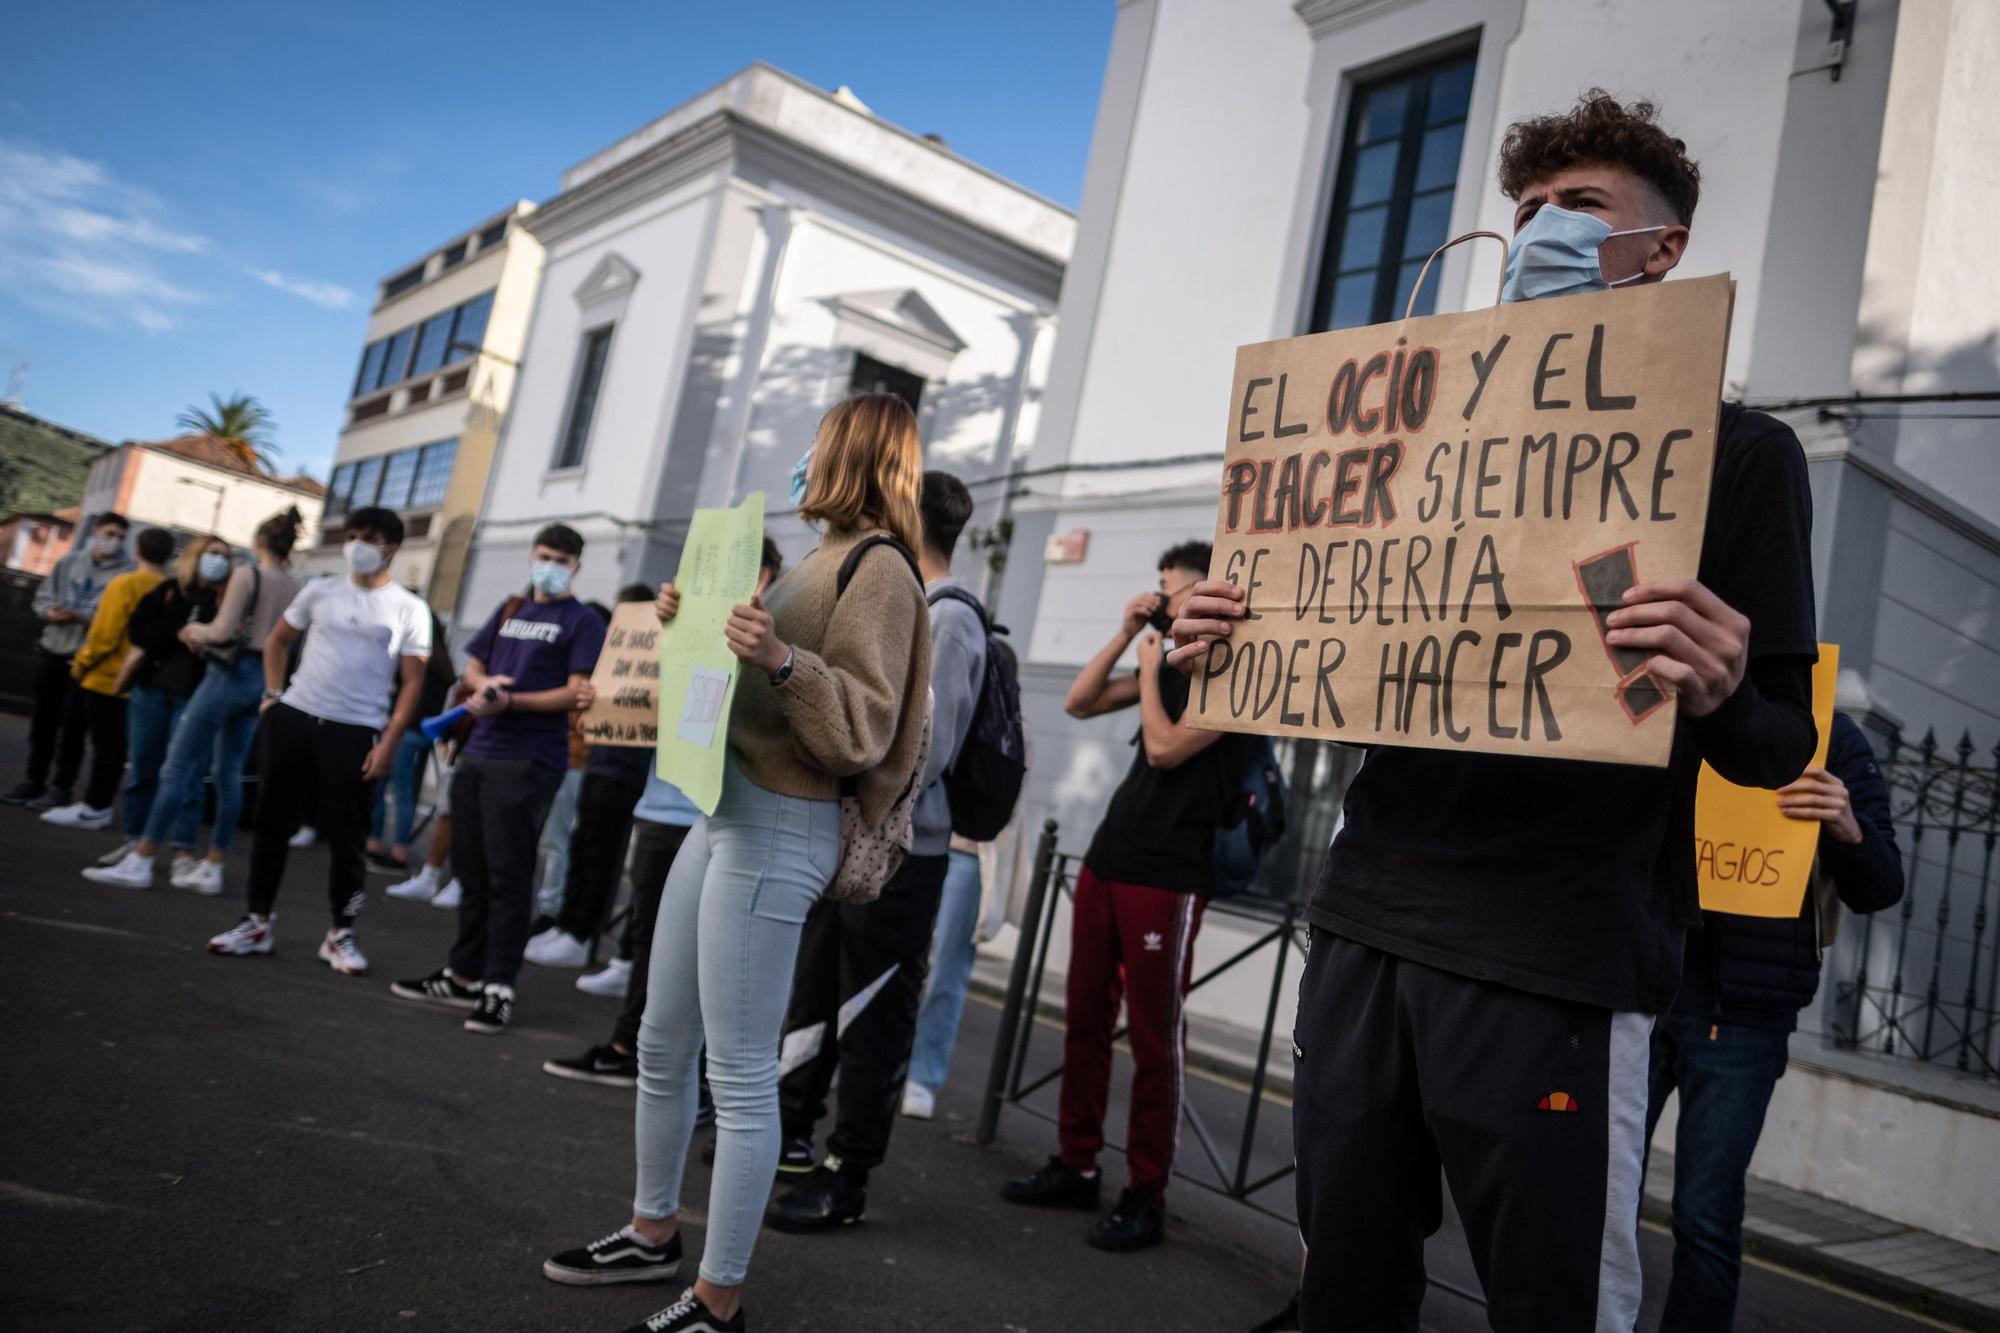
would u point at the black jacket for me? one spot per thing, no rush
(1760, 971)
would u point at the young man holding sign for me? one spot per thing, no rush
(1494, 932)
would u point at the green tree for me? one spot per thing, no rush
(240, 422)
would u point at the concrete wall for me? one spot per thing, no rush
(151, 487)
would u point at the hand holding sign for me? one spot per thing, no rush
(1700, 644)
(752, 636)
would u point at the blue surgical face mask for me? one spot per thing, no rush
(213, 566)
(799, 471)
(1556, 255)
(549, 578)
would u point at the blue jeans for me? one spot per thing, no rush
(215, 729)
(724, 944)
(404, 776)
(1725, 1084)
(951, 972)
(552, 853)
(152, 714)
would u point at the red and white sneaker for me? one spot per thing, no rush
(339, 952)
(245, 937)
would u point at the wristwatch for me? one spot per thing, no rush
(274, 694)
(784, 671)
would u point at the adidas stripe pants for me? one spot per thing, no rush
(1533, 1109)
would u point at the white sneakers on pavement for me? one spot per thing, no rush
(119, 853)
(78, 815)
(305, 837)
(339, 952)
(247, 936)
(418, 888)
(201, 875)
(613, 981)
(556, 947)
(919, 1102)
(132, 872)
(447, 897)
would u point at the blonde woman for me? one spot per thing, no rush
(833, 685)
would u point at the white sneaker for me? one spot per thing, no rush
(119, 853)
(418, 888)
(447, 897)
(613, 981)
(919, 1102)
(339, 952)
(134, 872)
(247, 936)
(78, 815)
(305, 837)
(204, 877)
(184, 864)
(557, 948)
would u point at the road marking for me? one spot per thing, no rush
(86, 927)
(11, 1192)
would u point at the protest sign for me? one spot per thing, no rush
(1430, 518)
(718, 570)
(627, 680)
(1752, 858)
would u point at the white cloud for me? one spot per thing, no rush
(77, 241)
(329, 294)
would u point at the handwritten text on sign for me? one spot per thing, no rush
(1430, 519)
(627, 680)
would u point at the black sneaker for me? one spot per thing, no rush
(1285, 1321)
(1056, 1185)
(828, 1197)
(437, 988)
(688, 1315)
(600, 1064)
(1135, 1223)
(52, 798)
(798, 1158)
(621, 1256)
(21, 793)
(495, 1010)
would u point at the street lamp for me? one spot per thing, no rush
(476, 350)
(215, 522)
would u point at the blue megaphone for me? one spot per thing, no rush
(434, 728)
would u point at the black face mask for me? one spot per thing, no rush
(1161, 620)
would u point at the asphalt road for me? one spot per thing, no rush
(197, 1143)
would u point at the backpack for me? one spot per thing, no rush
(871, 854)
(1252, 822)
(983, 784)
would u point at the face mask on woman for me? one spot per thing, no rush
(549, 578)
(800, 470)
(213, 566)
(364, 558)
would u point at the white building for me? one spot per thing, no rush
(716, 280)
(1265, 168)
(436, 373)
(195, 484)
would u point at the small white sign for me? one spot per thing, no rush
(707, 690)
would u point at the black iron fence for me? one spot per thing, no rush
(1918, 981)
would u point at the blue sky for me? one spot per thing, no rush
(201, 197)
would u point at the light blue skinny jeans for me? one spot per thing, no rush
(216, 728)
(150, 720)
(952, 952)
(404, 776)
(723, 949)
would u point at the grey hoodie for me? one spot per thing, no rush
(958, 669)
(75, 584)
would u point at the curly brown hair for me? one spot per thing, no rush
(1600, 128)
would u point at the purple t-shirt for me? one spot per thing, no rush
(541, 645)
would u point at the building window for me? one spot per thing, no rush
(402, 282)
(397, 471)
(454, 255)
(337, 489)
(583, 398)
(432, 336)
(371, 368)
(468, 333)
(493, 235)
(367, 474)
(1392, 201)
(872, 376)
(396, 357)
(433, 475)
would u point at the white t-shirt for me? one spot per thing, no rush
(355, 638)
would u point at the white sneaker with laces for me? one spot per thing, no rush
(134, 872)
(247, 936)
(203, 876)
(448, 897)
(305, 837)
(418, 888)
(613, 981)
(78, 815)
(184, 864)
(919, 1102)
(557, 948)
(339, 952)
(119, 853)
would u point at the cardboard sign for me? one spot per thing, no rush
(1431, 517)
(627, 680)
(718, 570)
(1752, 858)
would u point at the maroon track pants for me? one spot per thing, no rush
(1134, 942)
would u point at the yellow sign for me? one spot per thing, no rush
(718, 570)
(1751, 857)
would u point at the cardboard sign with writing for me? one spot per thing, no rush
(719, 567)
(1430, 517)
(627, 680)
(1752, 858)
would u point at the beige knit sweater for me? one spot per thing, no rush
(861, 668)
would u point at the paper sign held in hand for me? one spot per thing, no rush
(627, 681)
(702, 708)
(1430, 519)
(718, 571)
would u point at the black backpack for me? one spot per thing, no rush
(983, 784)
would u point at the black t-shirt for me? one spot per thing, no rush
(1160, 829)
(1558, 876)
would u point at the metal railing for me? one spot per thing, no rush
(1008, 1082)
(1922, 982)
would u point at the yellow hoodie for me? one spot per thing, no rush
(96, 663)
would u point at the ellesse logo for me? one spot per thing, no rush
(1559, 1101)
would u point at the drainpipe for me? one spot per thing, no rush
(1027, 326)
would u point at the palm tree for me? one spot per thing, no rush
(241, 423)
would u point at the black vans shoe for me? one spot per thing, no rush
(688, 1315)
(622, 1256)
(1056, 1185)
